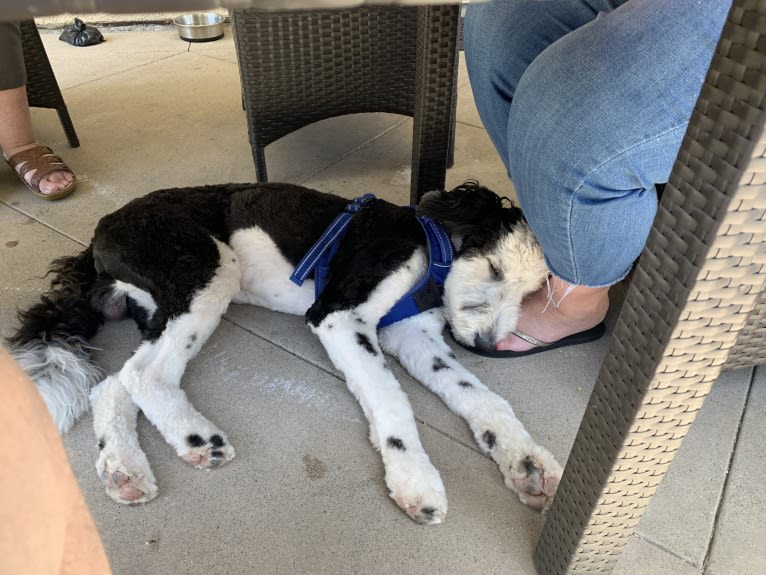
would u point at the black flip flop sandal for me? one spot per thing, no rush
(586, 336)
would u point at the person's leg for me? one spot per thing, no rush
(502, 38)
(16, 132)
(596, 121)
(45, 525)
(15, 121)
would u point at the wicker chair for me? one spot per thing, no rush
(42, 88)
(696, 306)
(299, 67)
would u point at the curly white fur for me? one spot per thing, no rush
(63, 374)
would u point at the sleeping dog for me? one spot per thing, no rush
(174, 260)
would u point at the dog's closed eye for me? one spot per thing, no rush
(474, 307)
(494, 271)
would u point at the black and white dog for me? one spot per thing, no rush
(174, 260)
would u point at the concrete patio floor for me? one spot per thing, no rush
(305, 493)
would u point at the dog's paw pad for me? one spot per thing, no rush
(420, 494)
(425, 512)
(207, 453)
(128, 488)
(535, 478)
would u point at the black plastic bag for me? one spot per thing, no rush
(80, 34)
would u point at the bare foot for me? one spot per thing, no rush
(557, 310)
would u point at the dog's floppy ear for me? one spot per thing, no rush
(468, 204)
(466, 211)
(471, 214)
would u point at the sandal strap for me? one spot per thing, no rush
(40, 158)
(529, 339)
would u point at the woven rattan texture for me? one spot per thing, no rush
(697, 289)
(731, 110)
(751, 344)
(299, 67)
(42, 88)
(435, 97)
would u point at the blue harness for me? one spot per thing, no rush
(426, 294)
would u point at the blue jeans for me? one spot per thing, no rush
(587, 101)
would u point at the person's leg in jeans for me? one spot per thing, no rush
(587, 103)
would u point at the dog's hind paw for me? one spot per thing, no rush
(126, 487)
(535, 478)
(207, 453)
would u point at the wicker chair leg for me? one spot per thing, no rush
(433, 145)
(453, 118)
(42, 88)
(300, 67)
(697, 288)
(66, 123)
(259, 159)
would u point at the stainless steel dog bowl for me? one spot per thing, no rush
(200, 27)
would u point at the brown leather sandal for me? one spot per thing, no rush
(44, 161)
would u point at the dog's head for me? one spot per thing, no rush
(498, 262)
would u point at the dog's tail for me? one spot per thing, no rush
(52, 343)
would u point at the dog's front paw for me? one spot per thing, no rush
(426, 510)
(126, 484)
(206, 453)
(419, 491)
(535, 478)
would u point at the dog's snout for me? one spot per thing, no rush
(484, 342)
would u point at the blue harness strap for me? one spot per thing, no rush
(426, 294)
(328, 241)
